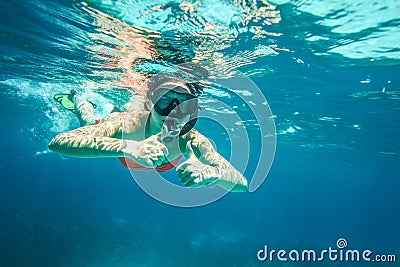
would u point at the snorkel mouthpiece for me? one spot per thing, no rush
(170, 130)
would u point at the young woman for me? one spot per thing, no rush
(156, 138)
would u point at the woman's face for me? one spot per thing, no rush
(171, 105)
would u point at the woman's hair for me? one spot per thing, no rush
(161, 80)
(188, 75)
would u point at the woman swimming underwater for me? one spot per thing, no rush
(156, 138)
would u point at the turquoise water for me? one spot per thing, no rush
(330, 73)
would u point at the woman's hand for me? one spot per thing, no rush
(149, 153)
(193, 172)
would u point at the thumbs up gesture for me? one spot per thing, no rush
(193, 173)
(149, 153)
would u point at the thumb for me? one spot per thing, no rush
(189, 150)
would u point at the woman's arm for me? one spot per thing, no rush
(96, 140)
(199, 147)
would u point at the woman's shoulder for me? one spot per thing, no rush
(126, 122)
(127, 116)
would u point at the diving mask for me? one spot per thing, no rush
(174, 104)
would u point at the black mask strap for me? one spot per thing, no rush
(190, 124)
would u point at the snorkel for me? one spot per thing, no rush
(170, 131)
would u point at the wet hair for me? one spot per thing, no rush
(193, 88)
(188, 75)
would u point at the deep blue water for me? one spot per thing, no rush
(332, 82)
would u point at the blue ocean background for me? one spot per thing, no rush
(331, 78)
